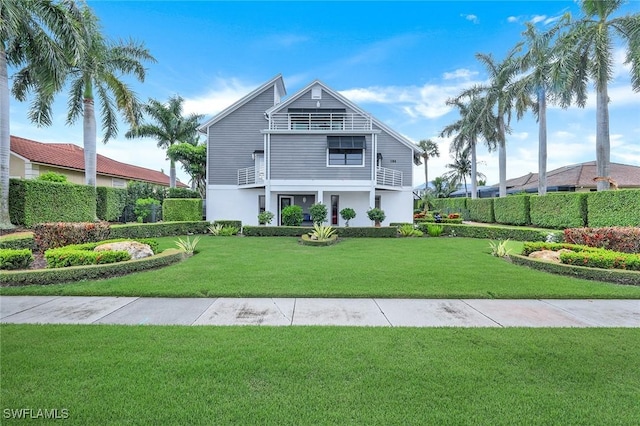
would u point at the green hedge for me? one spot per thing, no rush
(229, 223)
(559, 210)
(89, 272)
(182, 193)
(512, 210)
(33, 201)
(15, 259)
(110, 203)
(449, 205)
(497, 232)
(481, 210)
(182, 209)
(613, 208)
(17, 243)
(154, 230)
(297, 231)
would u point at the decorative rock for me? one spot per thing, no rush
(135, 249)
(548, 255)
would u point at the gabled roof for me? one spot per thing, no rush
(277, 80)
(70, 156)
(415, 148)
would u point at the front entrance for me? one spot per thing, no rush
(285, 201)
(305, 201)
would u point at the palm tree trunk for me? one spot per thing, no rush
(5, 142)
(603, 148)
(172, 174)
(542, 141)
(502, 157)
(474, 170)
(89, 136)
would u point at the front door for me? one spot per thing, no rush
(285, 201)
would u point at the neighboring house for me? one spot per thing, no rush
(29, 159)
(315, 147)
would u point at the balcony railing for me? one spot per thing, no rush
(388, 177)
(319, 121)
(250, 176)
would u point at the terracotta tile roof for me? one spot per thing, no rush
(580, 176)
(72, 157)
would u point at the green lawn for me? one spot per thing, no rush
(322, 375)
(357, 267)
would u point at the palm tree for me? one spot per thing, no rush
(460, 169)
(586, 52)
(41, 36)
(170, 127)
(98, 73)
(442, 187)
(194, 162)
(429, 149)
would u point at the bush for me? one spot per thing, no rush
(17, 243)
(559, 210)
(265, 217)
(156, 230)
(144, 208)
(53, 235)
(292, 216)
(530, 247)
(621, 239)
(428, 219)
(32, 202)
(182, 209)
(408, 230)
(182, 193)
(450, 205)
(493, 232)
(64, 257)
(229, 223)
(347, 214)
(52, 177)
(602, 258)
(297, 231)
(613, 208)
(481, 210)
(512, 210)
(377, 215)
(110, 203)
(434, 230)
(15, 259)
(318, 212)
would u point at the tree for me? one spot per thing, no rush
(460, 169)
(442, 187)
(168, 128)
(97, 72)
(429, 149)
(41, 36)
(194, 162)
(585, 51)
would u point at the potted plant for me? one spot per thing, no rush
(265, 217)
(347, 214)
(377, 215)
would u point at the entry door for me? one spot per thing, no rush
(284, 202)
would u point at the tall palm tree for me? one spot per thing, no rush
(442, 187)
(460, 169)
(586, 52)
(98, 72)
(168, 128)
(429, 149)
(41, 36)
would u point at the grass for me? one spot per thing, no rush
(322, 375)
(357, 267)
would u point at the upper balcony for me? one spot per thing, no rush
(320, 121)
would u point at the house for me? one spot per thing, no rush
(29, 159)
(266, 153)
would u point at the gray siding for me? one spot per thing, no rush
(304, 156)
(327, 101)
(392, 149)
(233, 139)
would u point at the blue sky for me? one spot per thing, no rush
(400, 61)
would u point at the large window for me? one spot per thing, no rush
(345, 150)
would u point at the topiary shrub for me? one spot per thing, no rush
(347, 214)
(53, 235)
(15, 259)
(621, 239)
(182, 209)
(559, 210)
(613, 208)
(481, 210)
(318, 212)
(512, 210)
(110, 203)
(292, 216)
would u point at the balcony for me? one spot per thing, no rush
(251, 176)
(318, 121)
(388, 177)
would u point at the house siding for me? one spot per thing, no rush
(327, 101)
(391, 149)
(233, 139)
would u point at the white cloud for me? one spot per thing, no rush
(513, 19)
(538, 18)
(470, 17)
(460, 73)
(224, 93)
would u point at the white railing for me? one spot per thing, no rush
(250, 176)
(319, 121)
(388, 177)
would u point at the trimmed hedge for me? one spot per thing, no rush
(182, 193)
(481, 210)
(83, 254)
(559, 210)
(297, 231)
(448, 205)
(512, 210)
(530, 247)
(110, 203)
(622, 239)
(155, 230)
(613, 208)
(182, 209)
(52, 235)
(496, 232)
(601, 258)
(33, 201)
(15, 259)
(17, 243)
(90, 272)
(229, 223)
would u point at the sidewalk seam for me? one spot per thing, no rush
(481, 313)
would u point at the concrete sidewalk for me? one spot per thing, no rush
(309, 311)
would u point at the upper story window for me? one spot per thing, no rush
(345, 150)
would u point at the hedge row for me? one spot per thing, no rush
(154, 230)
(110, 203)
(559, 210)
(182, 209)
(622, 239)
(481, 210)
(613, 208)
(498, 232)
(15, 259)
(60, 234)
(297, 231)
(90, 272)
(512, 210)
(17, 243)
(449, 205)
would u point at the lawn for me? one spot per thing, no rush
(322, 375)
(356, 267)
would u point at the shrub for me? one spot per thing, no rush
(499, 248)
(321, 232)
(614, 208)
(622, 239)
(53, 235)
(297, 231)
(144, 207)
(15, 259)
(602, 258)
(182, 209)
(347, 214)
(52, 177)
(434, 230)
(110, 203)
(155, 230)
(292, 216)
(17, 243)
(318, 212)
(408, 230)
(494, 232)
(229, 223)
(32, 202)
(187, 245)
(481, 210)
(450, 205)
(530, 247)
(512, 210)
(377, 215)
(265, 217)
(69, 256)
(430, 219)
(559, 210)
(453, 216)
(182, 193)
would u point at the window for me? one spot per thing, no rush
(378, 202)
(261, 204)
(118, 183)
(334, 209)
(316, 92)
(345, 150)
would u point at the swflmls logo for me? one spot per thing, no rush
(30, 413)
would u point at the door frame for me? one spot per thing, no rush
(282, 197)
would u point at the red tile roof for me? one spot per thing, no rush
(72, 157)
